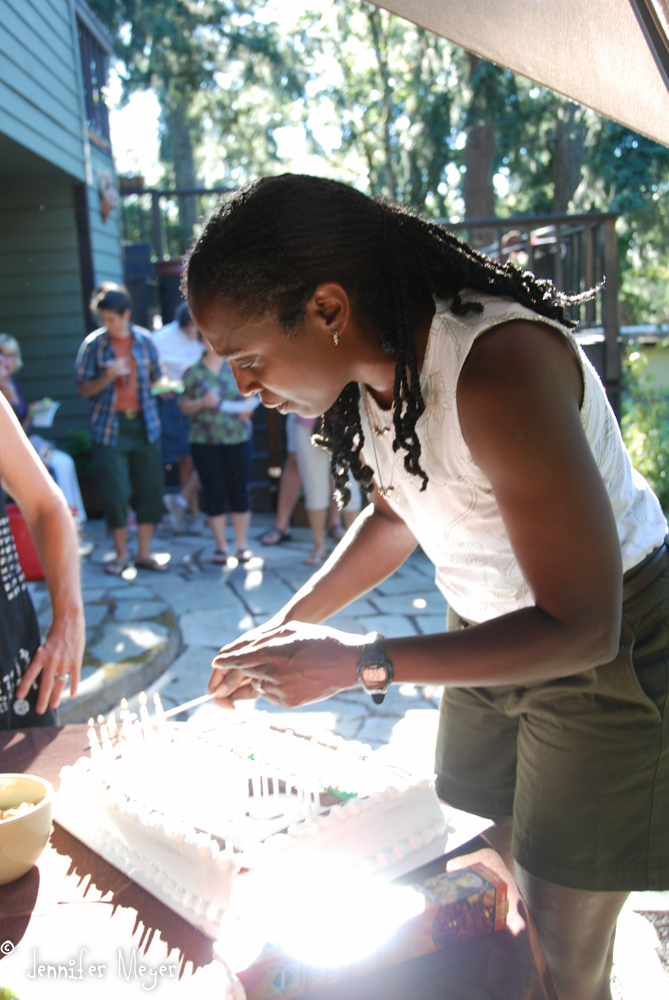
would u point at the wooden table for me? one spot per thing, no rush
(73, 900)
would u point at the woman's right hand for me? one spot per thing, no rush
(231, 682)
(211, 400)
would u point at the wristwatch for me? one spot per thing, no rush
(375, 671)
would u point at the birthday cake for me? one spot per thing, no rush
(182, 812)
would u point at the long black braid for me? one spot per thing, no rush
(268, 248)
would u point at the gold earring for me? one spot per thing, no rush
(335, 337)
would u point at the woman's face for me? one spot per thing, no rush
(9, 362)
(301, 373)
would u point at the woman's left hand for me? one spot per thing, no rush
(292, 665)
(58, 657)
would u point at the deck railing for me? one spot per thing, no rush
(577, 252)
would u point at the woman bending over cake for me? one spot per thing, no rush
(488, 439)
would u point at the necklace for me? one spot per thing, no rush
(385, 491)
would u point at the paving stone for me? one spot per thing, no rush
(346, 623)
(214, 627)
(133, 611)
(128, 640)
(45, 618)
(418, 602)
(137, 592)
(408, 583)
(377, 728)
(113, 582)
(92, 595)
(266, 598)
(392, 626)
(185, 596)
(186, 678)
(429, 624)
(421, 564)
(95, 614)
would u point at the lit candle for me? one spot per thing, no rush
(111, 724)
(93, 741)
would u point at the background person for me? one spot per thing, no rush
(222, 448)
(314, 466)
(490, 440)
(179, 347)
(59, 463)
(26, 698)
(115, 369)
(290, 487)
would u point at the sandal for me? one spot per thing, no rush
(244, 555)
(152, 564)
(118, 566)
(275, 536)
(220, 557)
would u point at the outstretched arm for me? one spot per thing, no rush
(52, 528)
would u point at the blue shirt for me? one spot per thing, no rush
(90, 365)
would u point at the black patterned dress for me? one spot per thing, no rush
(19, 637)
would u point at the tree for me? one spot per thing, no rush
(180, 49)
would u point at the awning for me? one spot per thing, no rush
(611, 55)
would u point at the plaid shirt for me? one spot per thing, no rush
(92, 358)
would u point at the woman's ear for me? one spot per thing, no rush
(330, 307)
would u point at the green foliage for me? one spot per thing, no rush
(6, 994)
(387, 106)
(645, 424)
(79, 445)
(213, 65)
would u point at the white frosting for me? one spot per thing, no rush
(180, 813)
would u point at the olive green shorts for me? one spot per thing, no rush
(581, 763)
(130, 473)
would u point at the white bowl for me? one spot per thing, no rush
(23, 838)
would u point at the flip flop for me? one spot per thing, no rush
(275, 536)
(117, 566)
(151, 564)
(220, 557)
(244, 555)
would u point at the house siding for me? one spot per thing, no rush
(42, 112)
(39, 85)
(105, 236)
(41, 300)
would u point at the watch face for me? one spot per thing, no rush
(374, 677)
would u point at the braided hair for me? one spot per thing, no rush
(268, 248)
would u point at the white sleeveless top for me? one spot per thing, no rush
(456, 519)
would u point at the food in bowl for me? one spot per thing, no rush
(24, 834)
(19, 810)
